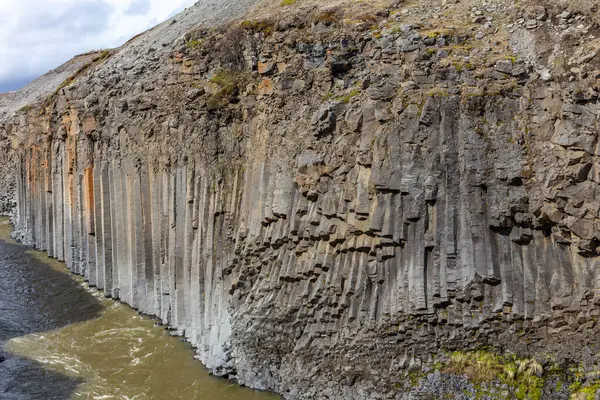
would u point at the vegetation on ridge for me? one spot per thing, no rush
(230, 83)
(100, 57)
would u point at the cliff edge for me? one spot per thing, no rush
(358, 200)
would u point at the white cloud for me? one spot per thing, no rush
(39, 35)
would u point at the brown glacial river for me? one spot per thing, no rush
(61, 340)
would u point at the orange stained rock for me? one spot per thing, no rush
(265, 87)
(263, 67)
(89, 198)
(73, 122)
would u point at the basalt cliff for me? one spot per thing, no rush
(356, 200)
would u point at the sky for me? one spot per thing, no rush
(37, 36)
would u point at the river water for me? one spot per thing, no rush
(60, 340)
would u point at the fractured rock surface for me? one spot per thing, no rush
(320, 206)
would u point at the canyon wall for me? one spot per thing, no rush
(325, 201)
(7, 177)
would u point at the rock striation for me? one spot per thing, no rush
(326, 202)
(7, 189)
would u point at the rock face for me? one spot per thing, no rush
(7, 177)
(324, 204)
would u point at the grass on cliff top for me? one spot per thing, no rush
(103, 55)
(523, 375)
(99, 56)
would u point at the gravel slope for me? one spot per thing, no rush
(142, 49)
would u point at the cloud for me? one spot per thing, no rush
(139, 7)
(39, 35)
(78, 18)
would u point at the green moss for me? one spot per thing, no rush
(67, 82)
(346, 99)
(227, 81)
(26, 108)
(104, 54)
(522, 375)
(459, 67)
(585, 391)
(327, 96)
(591, 391)
(438, 92)
(263, 26)
(436, 33)
(415, 377)
(192, 44)
(215, 102)
(288, 2)
(230, 82)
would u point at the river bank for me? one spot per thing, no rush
(62, 340)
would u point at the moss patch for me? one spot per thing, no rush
(584, 387)
(230, 83)
(524, 376)
(192, 44)
(349, 96)
(256, 26)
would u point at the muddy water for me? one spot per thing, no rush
(60, 340)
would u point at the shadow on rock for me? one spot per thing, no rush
(35, 298)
